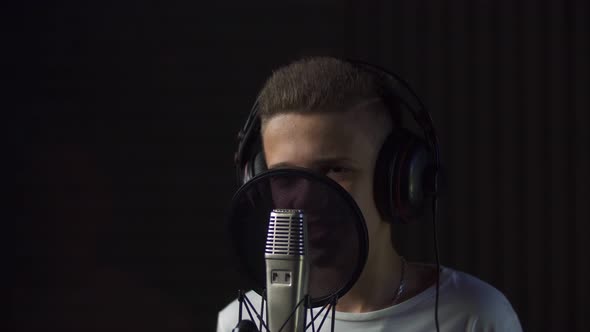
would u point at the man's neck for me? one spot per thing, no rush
(377, 285)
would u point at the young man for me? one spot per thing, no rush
(329, 116)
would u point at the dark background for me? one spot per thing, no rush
(121, 117)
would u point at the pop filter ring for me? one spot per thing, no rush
(299, 172)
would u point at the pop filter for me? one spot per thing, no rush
(337, 243)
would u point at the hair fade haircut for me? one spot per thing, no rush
(323, 84)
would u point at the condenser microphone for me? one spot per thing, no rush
(287, 270)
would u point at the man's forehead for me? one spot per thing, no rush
(330, 129)
(294, 139)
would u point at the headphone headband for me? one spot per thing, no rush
(407, 96)
(400, 88)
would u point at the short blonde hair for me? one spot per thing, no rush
(320, 84)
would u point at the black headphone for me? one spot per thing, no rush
(407, 165)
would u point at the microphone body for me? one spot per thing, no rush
(287, 270)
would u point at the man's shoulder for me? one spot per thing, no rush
(470, 290)
(476, 298)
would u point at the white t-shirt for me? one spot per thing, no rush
(465, 304)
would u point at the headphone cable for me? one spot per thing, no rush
(436, 253)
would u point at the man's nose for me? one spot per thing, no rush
(299, 193)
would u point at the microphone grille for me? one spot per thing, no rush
(285, 232)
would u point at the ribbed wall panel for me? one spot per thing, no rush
(507, 85)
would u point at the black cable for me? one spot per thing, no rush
(436, 253)
(436, 151)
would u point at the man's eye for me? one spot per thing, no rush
(337, 169)
(334, 170)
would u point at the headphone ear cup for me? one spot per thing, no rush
(401, 173)
(413, 178)
(384, 176)
(259, 164)
(254, 166)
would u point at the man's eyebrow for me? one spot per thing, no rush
(319, 162)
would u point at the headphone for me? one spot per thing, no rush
(407, 165)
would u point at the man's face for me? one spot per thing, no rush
(340, 145)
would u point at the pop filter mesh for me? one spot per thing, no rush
(337, 243)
